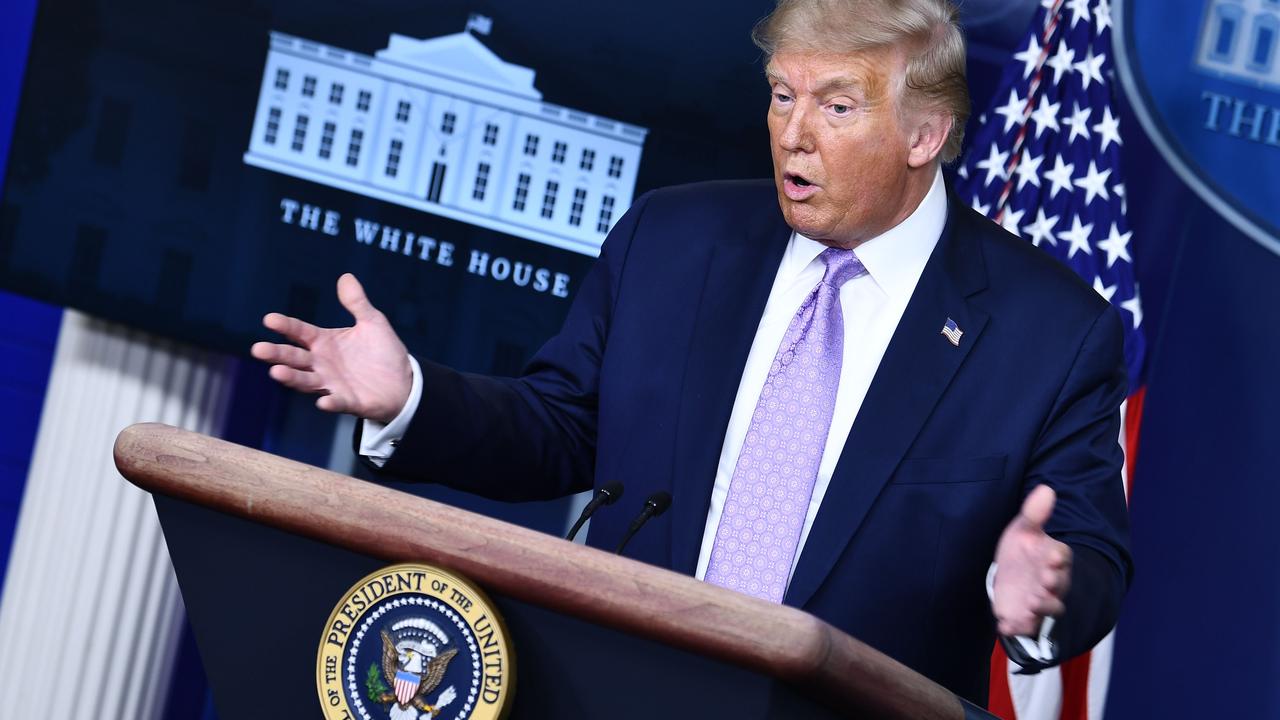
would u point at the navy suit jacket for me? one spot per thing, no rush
(639, 384)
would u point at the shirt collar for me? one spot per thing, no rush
(895, 258)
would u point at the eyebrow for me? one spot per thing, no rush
(840, 82)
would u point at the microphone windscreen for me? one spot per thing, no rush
(659, 501)
(612, 491)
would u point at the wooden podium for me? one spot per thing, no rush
(264, 548)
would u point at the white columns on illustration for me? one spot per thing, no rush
(91, 616)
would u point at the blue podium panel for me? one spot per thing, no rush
(259, 598)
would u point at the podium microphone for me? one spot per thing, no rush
(606, 495)
(655, 505)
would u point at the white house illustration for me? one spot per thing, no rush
(1240, 39)
(446, 126)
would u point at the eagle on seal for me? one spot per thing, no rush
(414, 669)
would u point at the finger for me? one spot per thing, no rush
(332, 403)
(1038, 506)
(1048, 606)
(1055, 581)
(1059, 557)
(302, 333)
(301, 380)
(351, 295)
(281, 354)
(1023, 623)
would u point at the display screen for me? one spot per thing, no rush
(187, 167)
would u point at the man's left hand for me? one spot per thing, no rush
(1033, 571)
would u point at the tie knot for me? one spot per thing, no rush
(842, 266)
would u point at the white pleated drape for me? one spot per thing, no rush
(91, 616)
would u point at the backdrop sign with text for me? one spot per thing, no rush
(1205, 83)
(186, 169)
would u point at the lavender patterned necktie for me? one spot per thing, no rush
(769, 493)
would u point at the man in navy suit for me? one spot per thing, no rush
(865, 400)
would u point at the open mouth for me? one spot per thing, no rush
(798, 187)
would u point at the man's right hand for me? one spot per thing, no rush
(362, 370)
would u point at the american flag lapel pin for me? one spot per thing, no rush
(952, 332)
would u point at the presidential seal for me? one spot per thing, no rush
(413, 642)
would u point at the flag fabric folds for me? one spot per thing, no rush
(1044, 162)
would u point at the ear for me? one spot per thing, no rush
(928, 135)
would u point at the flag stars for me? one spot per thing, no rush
(1079, 10)
(1060, 176)
(1102, 15)
(1094, 183)
(1078, 122)
(1045, 116)
(1061, 62)
(1013, 111)
(994, 164)
(1109, 128)
(1028, 171)
(1030, 58)
(1134, 306)
(1116, 245)
(1042, 229)
(1118, 189)
(1090, 68)
(1078, 236)
(1010, 218)
(1106, 291)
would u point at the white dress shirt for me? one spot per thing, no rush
(872, 304)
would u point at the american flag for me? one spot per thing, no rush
(1044, 162)
(952, 331)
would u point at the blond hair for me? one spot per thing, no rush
(927, 29)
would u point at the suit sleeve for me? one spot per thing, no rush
(534, 436)
(1079, 456)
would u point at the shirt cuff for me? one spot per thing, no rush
(377, 440)
(1039, 649)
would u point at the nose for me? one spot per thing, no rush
(796, 135)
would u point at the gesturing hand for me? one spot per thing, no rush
(1033, 571)
(363, 370)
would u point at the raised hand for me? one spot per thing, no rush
(1033, 571)
(362, 370)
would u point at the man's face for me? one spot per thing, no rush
(840, 147)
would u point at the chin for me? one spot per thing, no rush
(799, 217)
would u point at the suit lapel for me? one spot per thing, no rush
(913, 374)
(740, 273)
